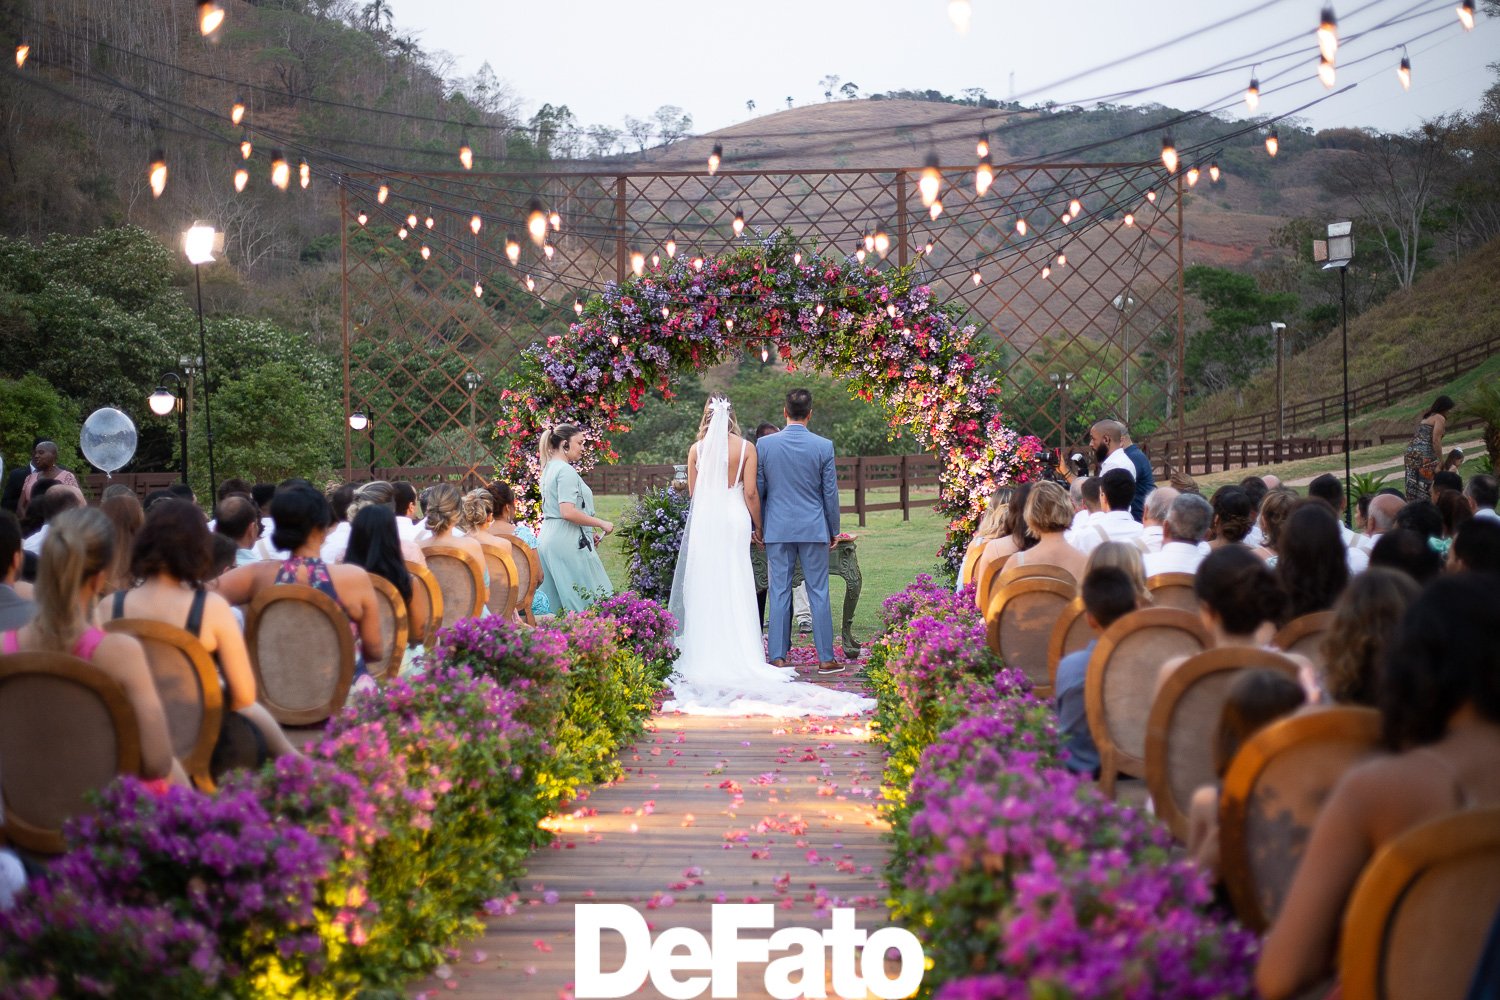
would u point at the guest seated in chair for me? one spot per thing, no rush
(1234, 515)
(16, 609)
(1123, 556)
(1312, 568)
(1013, 535)
(302, 516)
(74, 569)
(1439, 697)
(1108, 596)
(375, 545)
(1048, 515)
(505, 526)
(1365, 620)
(173, 557)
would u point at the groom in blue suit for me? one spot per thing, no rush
(799, 491)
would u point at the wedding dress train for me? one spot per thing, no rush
(722, 669)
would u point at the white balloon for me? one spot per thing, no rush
(108, 439)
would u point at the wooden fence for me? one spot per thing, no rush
(1205, 456)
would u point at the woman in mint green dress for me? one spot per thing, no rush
(572, 575)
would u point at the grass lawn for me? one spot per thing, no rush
(891, 554)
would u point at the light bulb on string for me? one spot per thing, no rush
(411, 220)
(655, 261)
(1151, 196)
(797, 258)
(739, 222)
(429, 220)
(1213, 172)
(512, 250)
(401, 233)
(1066, 218)
(478, 290)
(960, 12)
(556, 221)
(466, 155)
(245, 147)
(156, 174)
(976, 277)
(548, 250)
(869, 242)
(697, 263)
(241, 178)
(931, 181)
(304, 174)
(210, 16)
(927, 248)
(638, 263)
(715, 157)
(382, 193)
(671, 249)
(476, 224)
(1328, 35)
(536, 222)
(890, 310)
(935, 211)
(666, 313)
(1129, 218)
(729, 324)
(426, 251)
(1062, 260)
(882, 243)
(818, 309)
(614, 340)
(1021, 227)
(1192, 176)
(765, 353)
(1046, 273)
(22, 51)
(859, 255)
(982, 148)
(1273, 143)
(281, 174)
(530, 284)
(984, 176)
(1252, 92)
(1326, 72)
(1403, 72)
(363, 216)
(1466, 14)
(1168, 154)
(577, 308)
(237, 113)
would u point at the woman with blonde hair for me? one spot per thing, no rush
(477, 520)
(73, 572)
(379, 493)
(1013, 535)
(445, 511)
(572, 575)
(991, 524)
(1048, 514)
(1126, 557)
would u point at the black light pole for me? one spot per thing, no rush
(164, 401)
(1339, 252)
(200, 243)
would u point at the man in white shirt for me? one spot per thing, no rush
(1117, 489)
(1084, 492)
(1328, 489)
(1383, 510)
(1158, 504)
(1186, 526)
(1483, 493)
(1106, 438)
(236, 518)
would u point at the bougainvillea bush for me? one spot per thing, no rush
(645, 626)
(881, 330)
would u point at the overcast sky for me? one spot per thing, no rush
(606, 59)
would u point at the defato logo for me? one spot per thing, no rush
(681, 963)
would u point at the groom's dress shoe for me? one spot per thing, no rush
(831, 667)
(778, 663)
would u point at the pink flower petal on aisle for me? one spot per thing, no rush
(541, 945)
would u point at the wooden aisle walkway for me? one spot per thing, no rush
(710, 810)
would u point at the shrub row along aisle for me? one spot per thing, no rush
(1021, 879)
(353, 868)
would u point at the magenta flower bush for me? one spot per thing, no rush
(924, 596)
(531, 662)
(645, 625)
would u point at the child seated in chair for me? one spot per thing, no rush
(1108, 595)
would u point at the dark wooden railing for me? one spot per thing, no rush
(1200, 457)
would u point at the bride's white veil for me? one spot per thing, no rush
(710, 496)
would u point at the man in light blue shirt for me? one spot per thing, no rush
(1108, 595)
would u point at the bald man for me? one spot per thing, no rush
(1107, 439)
(1383, 510)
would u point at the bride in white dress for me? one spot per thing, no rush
(722, 669)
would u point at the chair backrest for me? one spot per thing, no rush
(1071, 633)
(1416, 924)
(526, 580)
(505, 576)
(302, 649)
(66, 729)
(460, 577)
(191, 691)
(984, 582)
(534, 581)
(971, 563)
(1026, 571)
(1121, 677)
(426, 597)
(393, 627)
(1019, 623)
(1305, 635)
(1273, 791)
(1173, 590)
(1184, 725)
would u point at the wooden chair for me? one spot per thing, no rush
(1019, 623)
(190, 689)
(1273, 791)
(984, 583)
(971, 563)
(1173, 590)
(505, 576)
(1305, 635)
(460, 577)
(1071, 633)
(66, 729)
(1121, 678)
(393, 627)
(1011, 573)
(302, 650)
(528, 578)
(1416, 923)
(1184, 724)
(426, 596)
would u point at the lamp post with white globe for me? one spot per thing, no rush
(359, 421)
(200, 243)
(164, 401)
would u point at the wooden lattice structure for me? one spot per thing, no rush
(428, 339)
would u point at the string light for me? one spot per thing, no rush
(1129, 218)
(22, 51)
(237, 113)
(476, 224)
(1020, 227)
(1192, 176)
(536, 222)
(577, 308)
(983, 147)
(1252, 93)
(739, 222)
(1046, 273)
(1062, 260)
(614, 340)
(466, 155)
(530, 284)
(157, 173)
(426, 251)
(715, 157)
(210, 16)
(304, 174)
(382, 193)
(638, 263)
(478, 290)
(931, 181)
(281, 174)
(765, 353)
(241, 178)
(1403, 72)
(512, 249)
(1328, 35)
(890, 310)
(1326, 73)
(363, 216)
(935, 211)
(984, 176)
(729, 324)
(1168, 154)
(1273, 143)
(666, 313)
(1466, 14)
(655, 261)
(548, 250)
(1151, 196)
(959, 12)
(401, 233)
(429, 220)
(411, 220)
(1066, 218)
(927, 248)
(697, 263)
(976, 277)
(556, 221)
(818, 309)
(1075, 208)
(671, 249)
(869, 242)
(1213, 172)
(882, 243)
(859, 255)
(245, 147)
(797, 258)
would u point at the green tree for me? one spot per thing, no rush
(1235, 340)
(30, 408)
(269, 423)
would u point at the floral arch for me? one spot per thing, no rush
(879, 330)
